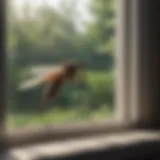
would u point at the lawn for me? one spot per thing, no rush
(57, 116)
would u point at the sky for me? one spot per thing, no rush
(83, 13)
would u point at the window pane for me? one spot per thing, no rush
(42, 36)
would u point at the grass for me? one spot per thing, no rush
(57, 116)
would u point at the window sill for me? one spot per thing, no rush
(83, 145)
(61, 133)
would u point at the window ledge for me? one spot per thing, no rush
(63, 132)
(73, 147)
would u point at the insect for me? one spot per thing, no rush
(55, 79)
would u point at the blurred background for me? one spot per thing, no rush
(42, 33)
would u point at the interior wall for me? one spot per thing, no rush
(2, 73)
(148, 60)
(154, 59)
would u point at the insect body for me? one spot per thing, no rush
(55, 80)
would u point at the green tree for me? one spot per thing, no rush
(102, 29)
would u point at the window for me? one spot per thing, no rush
(41, 35)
